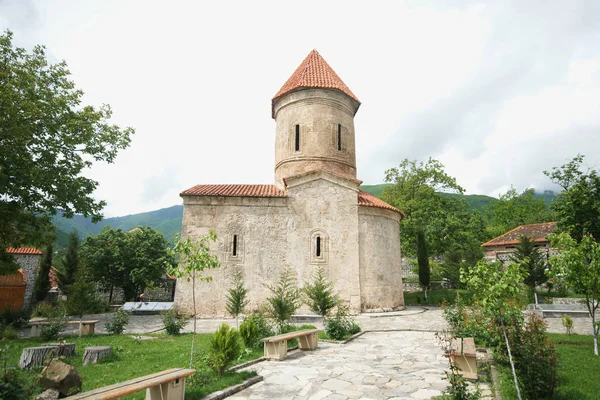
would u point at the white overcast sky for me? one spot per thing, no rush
(498, 91)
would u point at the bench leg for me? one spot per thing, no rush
(308, 342)
(467, 365)
(276, 351)
(35, 330)
(88, 329)
(174, 390)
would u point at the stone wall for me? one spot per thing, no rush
(317, 112)
(278, 233)
(380, 259)
(30, 264)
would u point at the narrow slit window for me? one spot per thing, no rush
(235, 240)
(318, 246)
(339, 137)
(297, 137)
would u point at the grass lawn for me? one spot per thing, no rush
(434, 297)
(577, 369)
(134, 358)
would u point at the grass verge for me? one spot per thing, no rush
(434, 297)
(133, 358)
(577, 369)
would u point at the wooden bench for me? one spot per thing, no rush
(87, 327)
(276, 346)
(464, 354)
(165, 385)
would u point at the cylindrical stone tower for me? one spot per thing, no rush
(314, 113)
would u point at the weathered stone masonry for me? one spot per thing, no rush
(314, 215)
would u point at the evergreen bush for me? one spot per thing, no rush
(249, 333)
(224, 348)
(319, 295)
(285, 299)
(118, 322)
(173, 321)
(51, 331)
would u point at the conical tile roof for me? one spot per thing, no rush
(314, 72)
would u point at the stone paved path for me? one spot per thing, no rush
(377, 365)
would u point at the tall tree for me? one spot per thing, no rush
(423, 261)
(533, 262)
(81, 297)
(42, 283)
(131, 261)
(195, 257)
(513, 209)
(578, 206)
(578, 264)
(103, 255)
(70, 264)
(47, 139)
(415, 191)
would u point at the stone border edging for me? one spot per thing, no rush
(246, 364)
(391, 314)
(221, 394)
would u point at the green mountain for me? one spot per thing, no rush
(166, 220)
(474, 201)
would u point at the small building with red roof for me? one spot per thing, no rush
(313, 215)
(502, 247)
(16, 290)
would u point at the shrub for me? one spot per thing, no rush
(567, 322)
(173, 321)
(285, 300)
(224, 348)
(8, 332)
(458, 388)
(249, 333)
(118, 322)
(319, 295)
(47, 309)
(14, 383)
(51, 331)
(341, 325)
(467, 321)
(15, 318)
(535, 359)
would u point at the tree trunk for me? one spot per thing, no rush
(62, 349)
(512, 364)
(110, 294)
(36, 356)
(96, 353)
(193, 334)
(80, 324)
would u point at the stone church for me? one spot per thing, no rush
(313, 215)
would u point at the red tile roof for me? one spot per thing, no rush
(314, 72)
(235, 191)
(368, 200)
(537, 232)
(23, 250)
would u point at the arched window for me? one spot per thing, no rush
(339, 137)
(319, 247)
(297, 138)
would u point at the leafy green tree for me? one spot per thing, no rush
(531, 259)
(414, 190)
(577, 207)
(42, 283)
(236, 296)
(195, 257)
(104, 257)
(285, 299)
(70, 263)
(131, 260)
(578, 264)
(48, 138)
(423, 261)
(319, 294)
(145, 255)
(513, 209)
